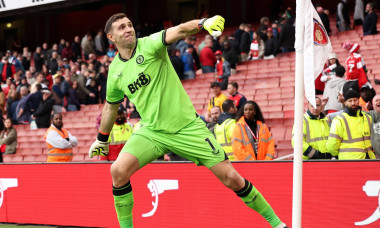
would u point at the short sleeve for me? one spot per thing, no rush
(156, 42)
(114, 95)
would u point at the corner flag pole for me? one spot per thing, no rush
(298, 113)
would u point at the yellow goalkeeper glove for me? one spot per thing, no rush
(214, 25)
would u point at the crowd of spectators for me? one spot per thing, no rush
(59, 78)
(69, 74)
(221, 55)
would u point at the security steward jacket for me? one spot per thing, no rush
(350, 136)
(223, 132)
(315, 135)
(119, 135)
(248, 145)
(60, 144)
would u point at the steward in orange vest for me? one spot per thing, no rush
(251, 139)
(59, 141)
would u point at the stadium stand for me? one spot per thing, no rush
(269, 82)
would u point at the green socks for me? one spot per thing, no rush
(123, 197)
(253, 199)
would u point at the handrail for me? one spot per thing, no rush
(284, 157)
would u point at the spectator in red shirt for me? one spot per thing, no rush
(237, 97)
(6, 69)
(207, 57)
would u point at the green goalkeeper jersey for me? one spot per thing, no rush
(150, 82)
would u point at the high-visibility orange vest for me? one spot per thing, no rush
(57, 154)
(242, 146)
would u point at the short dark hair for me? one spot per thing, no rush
(55, 113)
(111, 20)
(234, 84)
(38, 87)
(339, 70)
(215, 84)
(227, 104)
(371, 4)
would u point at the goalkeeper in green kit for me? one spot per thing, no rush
(142, 71)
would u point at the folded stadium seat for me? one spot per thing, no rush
(376, 87)
(273, 74)
(241, 67)
(278, 133)
(274, 122)
(273, 96)
(375, 70)
(248, 87)
(33, 145)
(351, 33)
(287, 95)
(81, 142)
(82, 149)
(275, 102)
(370, 47)
(289, 130)
(283, 152)
(89, 124)
(192, 90)
(287, 84)
(82, 137)
(269, 91)
(16, 157)
(372, 42)
(288, 113)
(40, 132)
(40, 158)
(79, 119)
(7, 158)
(83, 131)
(192, 96)
(271, 108)
(74, 114)
(369, 37)
(258, 97)
(288, 107)
(268, 84)
(249, 94)
(276, 115)
(84, 108)
(78, 158)
(203, 95)
(288, 121)
(239, 81)
(30, 151)
(198, 106)
(29, 158)
(284, 144)
(200, 101)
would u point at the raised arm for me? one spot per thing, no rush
(213, 25)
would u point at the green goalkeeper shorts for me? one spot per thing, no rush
(193, 142)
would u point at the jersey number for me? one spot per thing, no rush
(214, 151)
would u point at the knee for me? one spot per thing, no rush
(234, 181)
(120, 175)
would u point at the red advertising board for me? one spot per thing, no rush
(335, 194)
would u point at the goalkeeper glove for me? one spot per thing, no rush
(214, 25)
(100, 146)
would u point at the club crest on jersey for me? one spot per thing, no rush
(141, 81)
(319, 33)
(140, 59)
